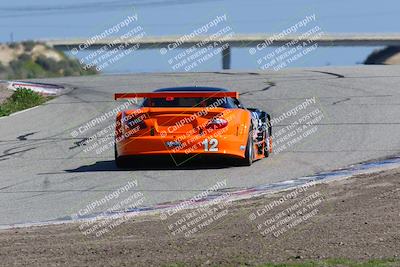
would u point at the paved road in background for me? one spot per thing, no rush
(46, 175)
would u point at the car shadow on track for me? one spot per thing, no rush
(155, 164)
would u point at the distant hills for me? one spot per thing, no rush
(27, 60)
(387, 56)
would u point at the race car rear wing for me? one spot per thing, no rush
(177, 95)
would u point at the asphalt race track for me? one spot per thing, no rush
(46, 175)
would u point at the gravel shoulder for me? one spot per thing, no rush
(357, 218)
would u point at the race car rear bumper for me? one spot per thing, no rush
(174, 145)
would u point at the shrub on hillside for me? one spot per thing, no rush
(29, 45)
(25, 67)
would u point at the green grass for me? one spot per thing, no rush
(20, 100)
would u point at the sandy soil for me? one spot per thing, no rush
(8, 54)
(4, 93)
(357, 218)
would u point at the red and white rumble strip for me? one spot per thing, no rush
(41, 88)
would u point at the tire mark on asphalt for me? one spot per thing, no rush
(55, 192)
(270, 85)
(341, 101)
(235, 73)
(330, 73)
(7, 152)
(337, 86)
(79, 143)
(41, 139)
(23, 137)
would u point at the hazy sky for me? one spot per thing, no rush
(43, 19)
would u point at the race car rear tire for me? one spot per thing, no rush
(249, 152)
(120, 162)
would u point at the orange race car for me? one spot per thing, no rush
(188, 121)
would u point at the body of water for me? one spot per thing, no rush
(46, 19)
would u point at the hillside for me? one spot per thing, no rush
(29, 60)
(387, 56)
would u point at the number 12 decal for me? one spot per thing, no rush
(211, 146)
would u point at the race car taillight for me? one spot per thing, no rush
(217, 123)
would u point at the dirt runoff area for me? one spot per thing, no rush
(357, 219)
